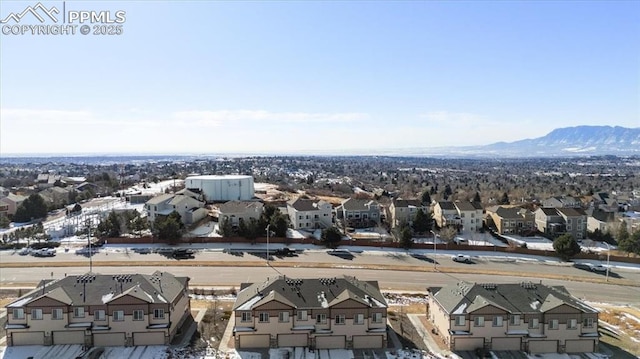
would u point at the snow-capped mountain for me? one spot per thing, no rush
(579, 140)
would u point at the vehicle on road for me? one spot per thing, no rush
(461, 258)
(25, 251)
(342, 253)
(44, 252)
(591, 267)
(285, 252)
(183, 253)
(598, 268)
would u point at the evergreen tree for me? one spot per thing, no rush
(476, 198)
(422, 222)
(406, 239)
(504, 199)
(331, 237)
(425, 198)
(169, 228)
(280, 224)
(566, 246)
(31, 208)
(225, 228)
(623, 233)
(631, 244)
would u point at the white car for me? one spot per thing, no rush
(598, 268)
(462, 258)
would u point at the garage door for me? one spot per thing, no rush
(580, 346)
(543, 346)
(68, 337)
(469, 343)
(35, 338)
(331, 342)
(108, 340)
(368, 341)
(505, 344)
(255, 341)
(153, 338)
(293, 340)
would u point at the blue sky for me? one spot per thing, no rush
(286, 77)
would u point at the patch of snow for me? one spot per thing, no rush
(19, 303)
(460, 309)
(248, 304)
(535, 305)
(322, 299)
(107, 297)
(161, 298)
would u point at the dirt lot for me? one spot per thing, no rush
(620, 327)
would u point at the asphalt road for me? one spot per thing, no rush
(234, 273)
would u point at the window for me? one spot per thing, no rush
(377, 317)
(478, 322)
(36, 314)
(138, 314)
(587, 323)
(359, 319)
(56, 314)
(533, 323)
(572, 324)
(78, 312)
(99, 315)
(321, 319)
(264, 317)
(497, 321)
(302, 315)
(515, 319)
(118, 315)
(283, 317)
(158, 314)
(339, 319)
(246, 317)
(18, 313)
(460, 320)
(553, 324)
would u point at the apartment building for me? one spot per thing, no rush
(321, 313)
(524, 316)
(309, 214)
(100, 310)
(405, 210)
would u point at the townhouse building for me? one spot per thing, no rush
(309, 214)
(556, 221)
(359, 213)
(446, 214)
(524, 316)
(321, 313)
(511, 220)
(100, 310)
(190, 209)
(405, 210)
(234, 211)
(470, 214)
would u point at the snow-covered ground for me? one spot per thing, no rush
(209, 229)
(153, 188)
(534, 242)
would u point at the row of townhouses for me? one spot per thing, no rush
(322, 313)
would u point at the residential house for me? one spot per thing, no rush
(405, 210)
(100, 310)
(549, 221)
(511, 220)
(56, 196)
(12, 201)
(359, 213)
(234, 211)
(321, 313)
(602, 221)
(575, 221)
(557, 221)
(470, 214)
(562, 201)
(309, 214)
(529, 317)
(446, 214)
(190, 209)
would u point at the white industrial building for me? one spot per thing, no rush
(222, 188)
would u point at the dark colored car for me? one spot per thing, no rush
(183, 253)
(285, 252)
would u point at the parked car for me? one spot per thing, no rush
(285, 252)
(44, 252)
(183, 253)
(342, 253)
(461, 258)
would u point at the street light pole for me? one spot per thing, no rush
(608, 254)
(268, 225)
(89, 240)
(435, 263)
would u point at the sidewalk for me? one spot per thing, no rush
(428, 339)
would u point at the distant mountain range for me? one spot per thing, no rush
(561, 142)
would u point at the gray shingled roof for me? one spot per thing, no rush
(355, 204)
(571, 212)
(526, 297)
(465, 206)
(98, 289)
(304, 205)
(309, 293)
(510, 212)
(446, 205)
(238, 206)
(406, 203)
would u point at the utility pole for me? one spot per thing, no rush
(88, 222)
(268, 225)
